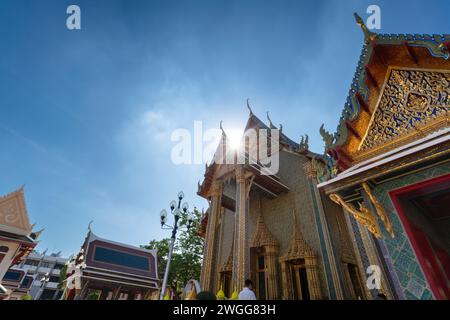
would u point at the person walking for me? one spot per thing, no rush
(247, 292)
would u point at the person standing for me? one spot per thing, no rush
(247, 292)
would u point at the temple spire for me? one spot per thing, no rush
(368, 35)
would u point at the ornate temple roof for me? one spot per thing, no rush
(256, 123)
(379, 54)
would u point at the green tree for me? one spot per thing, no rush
(62, 277)
(187, 254)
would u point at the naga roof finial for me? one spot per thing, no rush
(38, 233)
(248, 107)
(368, 35)
(327, 137)
(89, 225)
(221, 128)
(268, 118)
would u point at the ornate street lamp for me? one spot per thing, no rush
(176, 209)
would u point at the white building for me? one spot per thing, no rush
(41, 267)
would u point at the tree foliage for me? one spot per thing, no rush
(62, 277)
(187, 254)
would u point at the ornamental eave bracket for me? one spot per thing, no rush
(364, 215)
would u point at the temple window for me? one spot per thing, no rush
(264, 255)
(299, 271)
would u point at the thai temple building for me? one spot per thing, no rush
(17, 240)
(108, 270)
(391, 155)
(373, 205)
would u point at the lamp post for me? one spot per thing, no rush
(176, 211)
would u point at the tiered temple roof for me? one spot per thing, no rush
(428, 52)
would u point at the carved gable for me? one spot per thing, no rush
(13, 213)
(413, 103)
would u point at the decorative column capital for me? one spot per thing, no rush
(310, 170)
(240, 174)
(216, 188)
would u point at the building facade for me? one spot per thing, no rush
(44, 271)
(391, 157)
(108, 270)
(17, 240)
(375, 203)
(276, 229)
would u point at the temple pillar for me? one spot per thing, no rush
(285, 281)
(313, 278)
(328, 252)
(241, 265)
(209, 259)
(272, 278)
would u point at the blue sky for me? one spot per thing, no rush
(86, 116)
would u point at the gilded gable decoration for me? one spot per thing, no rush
(381, 53)
(13, 212)
(299, 253)
(262, 236)
(413, 103)
(298, 247)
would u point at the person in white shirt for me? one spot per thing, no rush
(247, 292)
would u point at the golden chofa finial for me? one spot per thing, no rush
(368, 35)
(248, 107)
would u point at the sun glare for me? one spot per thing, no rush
(234, 137)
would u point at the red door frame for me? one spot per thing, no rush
(421, 248)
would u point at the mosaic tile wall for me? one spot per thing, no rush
(322, 244)
(408, 273)
(361, 248)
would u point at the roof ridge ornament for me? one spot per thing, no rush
(89, 225)
(221, 128)
(368, 35)
(270, 121)
(327, 137)
(304, 143)
(249, 108)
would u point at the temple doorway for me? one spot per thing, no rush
(424, 211)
